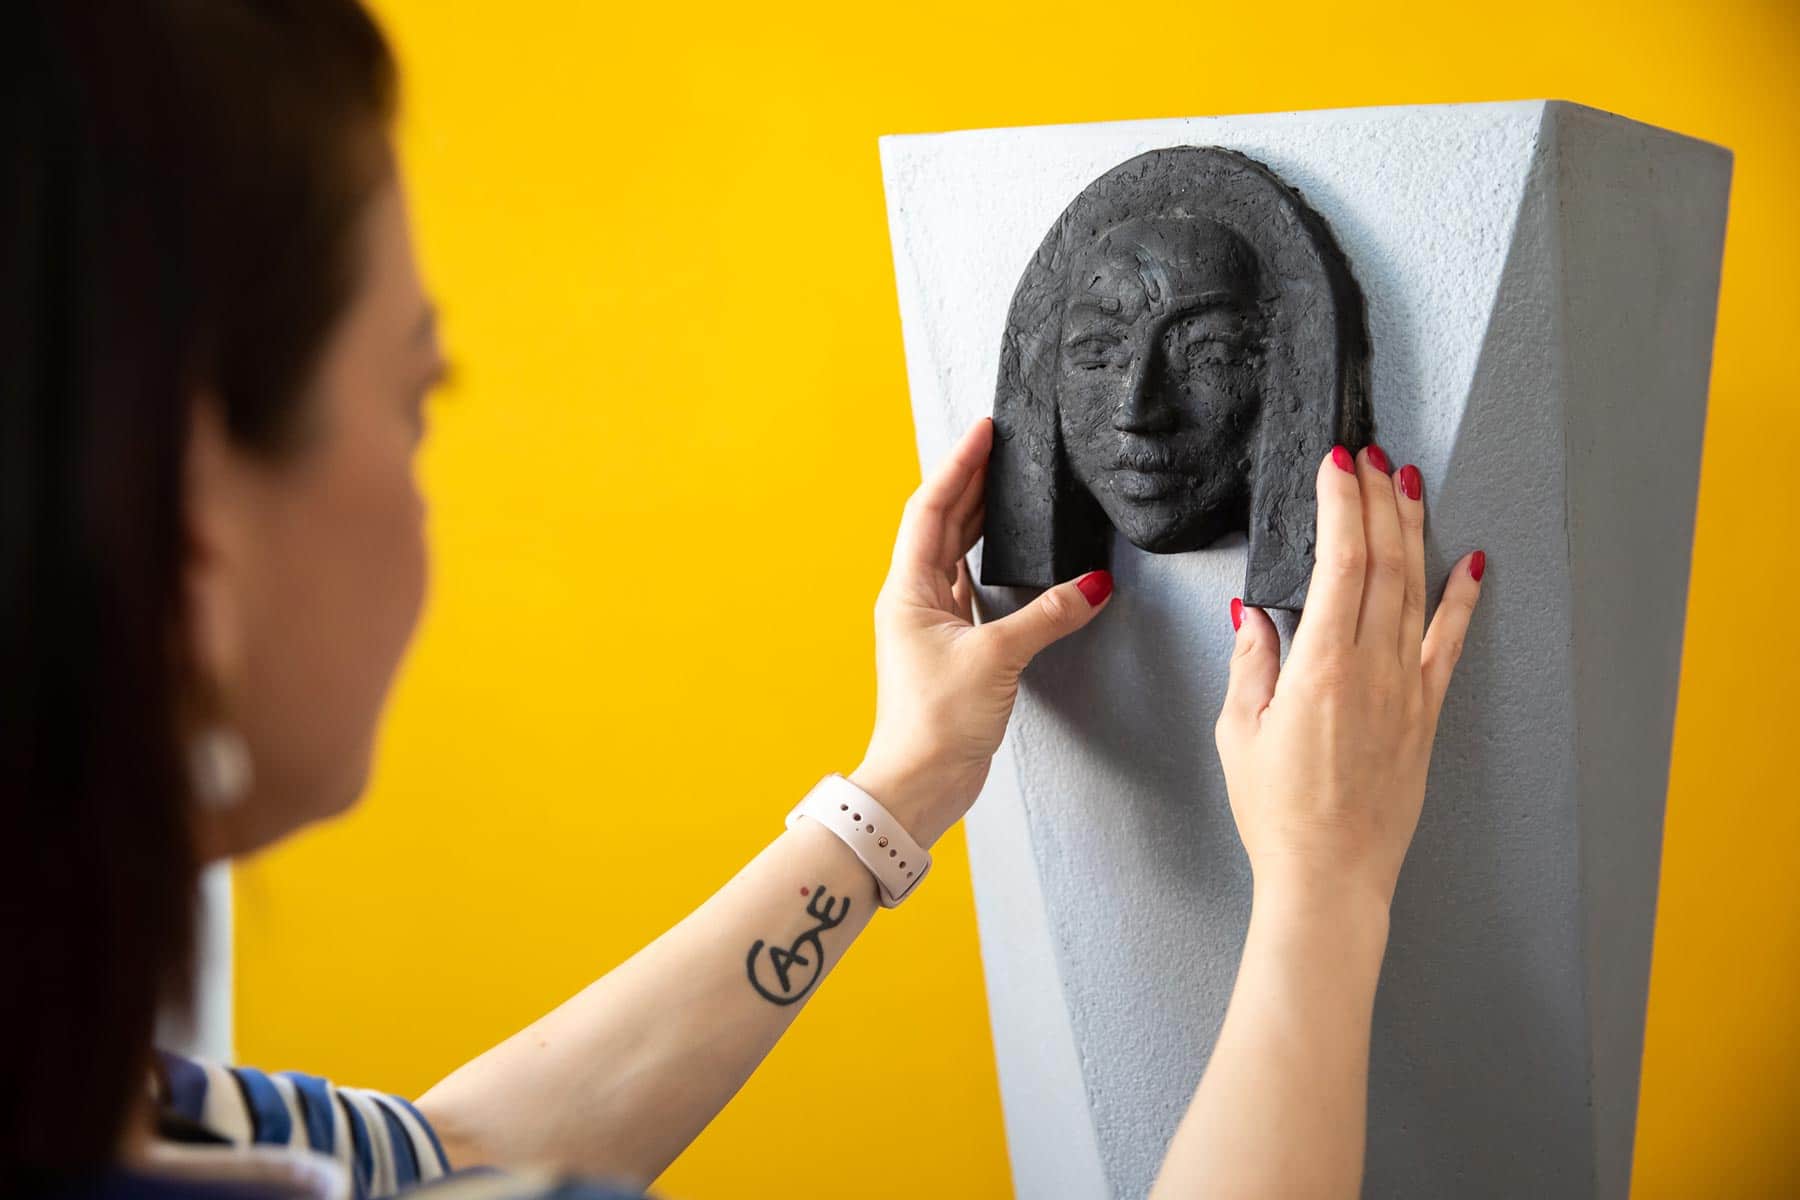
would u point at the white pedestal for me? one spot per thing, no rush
(1541, 282)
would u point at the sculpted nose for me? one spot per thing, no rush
(1144, 408)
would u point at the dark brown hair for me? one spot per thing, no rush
(181, 188)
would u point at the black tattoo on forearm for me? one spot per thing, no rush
(773, 974)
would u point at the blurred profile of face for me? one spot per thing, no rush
(1158, 378)
(311, 568)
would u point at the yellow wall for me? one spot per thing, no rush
(663, 492)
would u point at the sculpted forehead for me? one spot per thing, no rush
(1147, 263)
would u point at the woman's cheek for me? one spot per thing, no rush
(411, 559)
(392, 567)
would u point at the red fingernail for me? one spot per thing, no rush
(1411, 482)
(1478, 565)
(1342, 458)
(1096, 586)
(1237, 613)
(1378, 459)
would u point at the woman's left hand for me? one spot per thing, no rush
(945, 686)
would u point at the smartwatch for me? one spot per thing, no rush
(897, 862)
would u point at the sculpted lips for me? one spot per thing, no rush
(1144, 473)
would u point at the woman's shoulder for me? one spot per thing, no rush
(234, 1124)
(485, 1185)
(384, 1142)
(151, 1183)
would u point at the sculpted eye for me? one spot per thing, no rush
(1218, 351)
(1211, 340)
(1094, 351)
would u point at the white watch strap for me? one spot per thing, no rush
(897, 862)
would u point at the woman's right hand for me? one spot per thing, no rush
(1325, 762)
(945, 686)
(1325, 757)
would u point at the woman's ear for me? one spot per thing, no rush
(212, 567)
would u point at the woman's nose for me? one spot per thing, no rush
(1145, 406)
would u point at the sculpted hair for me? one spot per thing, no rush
(1042, 526)
(184, 179)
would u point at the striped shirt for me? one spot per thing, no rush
(299, 1135)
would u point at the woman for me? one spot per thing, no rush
(216, 350)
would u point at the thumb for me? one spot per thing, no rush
(1056, 613)
(1255, 665)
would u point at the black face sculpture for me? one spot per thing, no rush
(1184, 348)
(1158, 383)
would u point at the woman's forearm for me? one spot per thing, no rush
(1325, 759)
(1280, 1111)
(619, 1079)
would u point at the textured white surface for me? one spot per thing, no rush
(1540, 282)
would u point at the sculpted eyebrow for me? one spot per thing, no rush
(1189, 303)
(1109, 306)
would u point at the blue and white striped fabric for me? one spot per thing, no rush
(383, 1144)
(382, 1141)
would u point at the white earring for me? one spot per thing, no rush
(219, 764)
